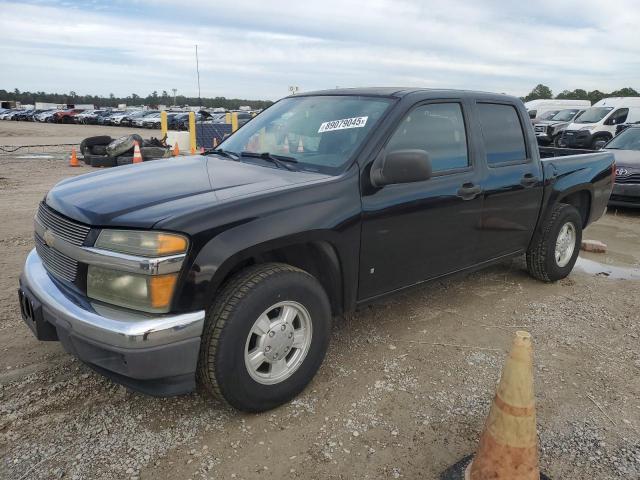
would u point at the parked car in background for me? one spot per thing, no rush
(549, 131)
(537, 108)
(8, 114)
(598, 124)
(47, 115)
(626, 151)
(227, 269)
(128, 119)
(66, 116)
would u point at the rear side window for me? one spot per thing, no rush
(502, 134)
(437, 128)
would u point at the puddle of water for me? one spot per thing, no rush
(598, 269)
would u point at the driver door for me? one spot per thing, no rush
(414, 232)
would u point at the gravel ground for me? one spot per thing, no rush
(403, 393)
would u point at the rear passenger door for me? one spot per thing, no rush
(416, 231)
(512, 184)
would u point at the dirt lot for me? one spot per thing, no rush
(394, 398)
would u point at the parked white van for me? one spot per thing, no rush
(598, 123)
(539, 109)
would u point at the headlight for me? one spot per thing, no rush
(138, 291)
(145, 244)
(149, 293)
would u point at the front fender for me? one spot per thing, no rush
(327, 215)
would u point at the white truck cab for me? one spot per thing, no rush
(599, 122)
(538, 108)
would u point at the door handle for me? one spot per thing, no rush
(469, 191)
(528, 180)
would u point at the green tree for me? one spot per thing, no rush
(539, 92)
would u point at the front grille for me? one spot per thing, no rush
(55, 262)
(540, 128)
(633, 178)
(72, 232)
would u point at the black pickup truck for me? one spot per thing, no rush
(226, 269)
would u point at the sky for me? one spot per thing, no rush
(257, 49)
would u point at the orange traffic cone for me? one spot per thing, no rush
(73, 160)
(508, 447)
(192, 150)
(285, 147)
(137, 156)
(176, 150)
(300, 146)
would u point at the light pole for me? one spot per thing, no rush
(174, 90)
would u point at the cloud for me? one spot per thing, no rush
(257, 49)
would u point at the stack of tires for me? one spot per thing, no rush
(104, 151)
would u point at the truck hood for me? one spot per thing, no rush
(139, 196)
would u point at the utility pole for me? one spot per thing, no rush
(174, 90)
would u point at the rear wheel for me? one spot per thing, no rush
(265, 337)
(554, 250)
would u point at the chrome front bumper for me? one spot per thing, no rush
(108, 325)
(154, 354)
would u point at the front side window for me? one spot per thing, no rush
(502, 134)
(320, 133)
(618, 117)
(438, 129)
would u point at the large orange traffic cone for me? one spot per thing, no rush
(137, 156)
(508, 447)
(192, 150)
(176, 150)
(73, 160)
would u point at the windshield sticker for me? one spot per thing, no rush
(354, 122)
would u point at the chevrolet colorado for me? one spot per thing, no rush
(226, 269)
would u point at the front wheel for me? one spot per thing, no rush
(554, 250)
(265, 337)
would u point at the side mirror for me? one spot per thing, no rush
(401, 166)
(599, 145)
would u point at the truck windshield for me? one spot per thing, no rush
(564, 115)
(628, 139)
(593, 114)
(320, 132)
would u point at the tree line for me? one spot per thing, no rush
(542, 91)
(153, 99)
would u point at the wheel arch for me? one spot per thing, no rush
(581, 199)
(319, 257)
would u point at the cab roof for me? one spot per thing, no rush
(399, 92)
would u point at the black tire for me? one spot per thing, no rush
(541, 259)
(124, 160)
(599, 138)
(93, 141)
(152, 153)
(99, 150)
(102, 161)
(221, 366)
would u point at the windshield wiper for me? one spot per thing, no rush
(280, 161)
(223, 153)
